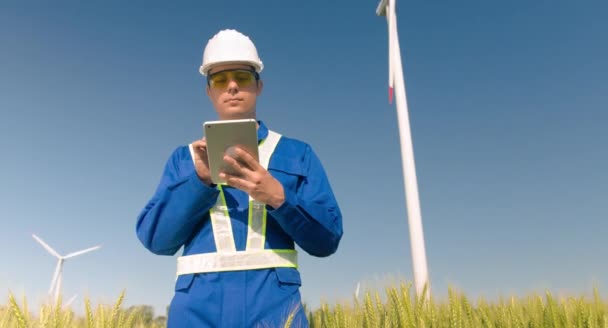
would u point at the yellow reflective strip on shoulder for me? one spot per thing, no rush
(267, 149)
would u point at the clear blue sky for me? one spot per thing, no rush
(508, 105)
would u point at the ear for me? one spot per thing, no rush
(260, 87)
(208, 91)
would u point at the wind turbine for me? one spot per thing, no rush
(395, 78)
(56, 282)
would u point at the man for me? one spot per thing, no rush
(239, 265)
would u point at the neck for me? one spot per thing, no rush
(238, 116)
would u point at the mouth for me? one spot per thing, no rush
(233, 99)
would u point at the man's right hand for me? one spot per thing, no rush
(201, 162)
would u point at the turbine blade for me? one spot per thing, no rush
(391, 52)
(393, 41)
(54, 281)
(47, 247)
(82, 252)
(69, 302)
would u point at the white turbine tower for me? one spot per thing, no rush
(56, 282)
(395, 78)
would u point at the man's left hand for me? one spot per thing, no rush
(252, 178)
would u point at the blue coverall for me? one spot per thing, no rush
(178, 215)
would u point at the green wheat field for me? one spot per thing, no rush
(396, 306)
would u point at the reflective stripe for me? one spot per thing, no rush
(256, 227)
(255, 256)
(243, 260)
(220, 220)
(257, 224)
(192, 155)
(222, 228)
(267, 147)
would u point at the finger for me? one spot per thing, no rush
(246, 158)
(237, 182)
(199, 144)
(236, 166)
(201, 153)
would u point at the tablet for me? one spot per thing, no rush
(221, 135)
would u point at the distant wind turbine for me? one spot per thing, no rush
(56, 282)
(69, 302)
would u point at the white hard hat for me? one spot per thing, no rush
(230, 47)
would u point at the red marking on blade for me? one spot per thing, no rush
(390, 95)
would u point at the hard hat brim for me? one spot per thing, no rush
(204, 69)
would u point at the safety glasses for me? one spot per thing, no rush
(242, 77)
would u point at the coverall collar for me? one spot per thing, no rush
(262, 131)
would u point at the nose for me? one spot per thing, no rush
(233, 87)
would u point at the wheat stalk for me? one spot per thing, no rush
(88, 313)
(397, 311)
(17, 312)
(116, 308)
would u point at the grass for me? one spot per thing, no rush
(397, 307)
(56, 316)
(402, 309)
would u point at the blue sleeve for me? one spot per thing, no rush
(177, 207)
(311, 215)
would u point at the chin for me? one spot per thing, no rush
(235, 114)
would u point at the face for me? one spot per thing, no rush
(233, 101)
